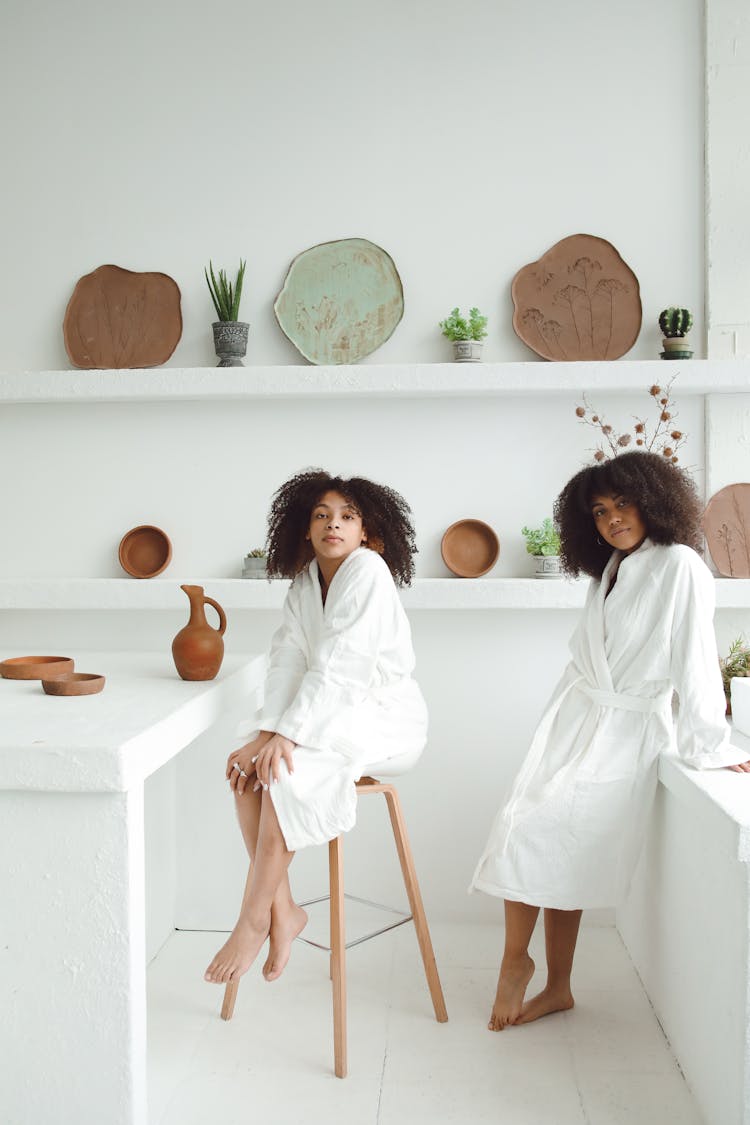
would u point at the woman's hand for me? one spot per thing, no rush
(743, 767)
(241, 763)
(267, 762)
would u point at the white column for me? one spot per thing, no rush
(72, 957)
(727, 179)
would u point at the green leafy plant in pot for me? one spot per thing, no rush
(543, 543)
(230, 334)
(675, 324)
(466, 334)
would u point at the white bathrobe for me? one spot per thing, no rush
(571, 831)
(339, 684)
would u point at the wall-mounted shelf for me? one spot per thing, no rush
(247, 594)
(420, 380)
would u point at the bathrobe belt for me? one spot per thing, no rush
(622, 701)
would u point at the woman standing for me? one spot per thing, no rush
(570, 833)
(339, 694)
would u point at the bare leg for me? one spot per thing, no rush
(560, 936)
(287, 919)
(269, 869)
(517, 968)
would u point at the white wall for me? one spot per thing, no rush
(465, 140)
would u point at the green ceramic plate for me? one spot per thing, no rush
(340, 301)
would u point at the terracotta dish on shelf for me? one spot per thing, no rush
(118, 318)
(580, 300)
(77, 683)
(145, 551)
(36, 667)
(470, 548)
(726, 524)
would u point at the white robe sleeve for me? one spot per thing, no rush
(287, 664)
(342, 665)
(702, 730)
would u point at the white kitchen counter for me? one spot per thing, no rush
(72, 948)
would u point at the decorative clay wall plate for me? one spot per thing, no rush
(579, 301)
(726, 523)
(117, 318)
(340, 300)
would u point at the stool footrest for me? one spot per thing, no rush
(402, 919)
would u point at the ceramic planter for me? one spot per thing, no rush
(467, 351)
(230, 342)
(253, 567)
(676, 347)
(547, 566)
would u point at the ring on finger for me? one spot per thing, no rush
(255, 759)
(242, 773)
(237, 766)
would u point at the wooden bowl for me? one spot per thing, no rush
(76, 683)
(145, 551)
(470, 548)
(36, 667)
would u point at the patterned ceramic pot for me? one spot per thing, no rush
(230, 342)
(547, 566)
(467, 351)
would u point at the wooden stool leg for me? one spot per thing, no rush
(231, 989)
(338, 954)
(415, 902)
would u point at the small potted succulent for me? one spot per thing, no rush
(466, 334)
(254, 564)
(230, 334)
(675, 324)
(543, 543)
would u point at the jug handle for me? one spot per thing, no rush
(220, 611)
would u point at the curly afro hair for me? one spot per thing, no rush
(385, 515)
(664, 494)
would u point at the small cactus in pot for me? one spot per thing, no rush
(675, 324)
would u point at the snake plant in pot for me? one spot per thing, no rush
(230, 334)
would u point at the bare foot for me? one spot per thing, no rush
(237, 955)
(511, 989)
(284, 930)
(547, 1001)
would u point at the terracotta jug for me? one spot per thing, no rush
(198, 649)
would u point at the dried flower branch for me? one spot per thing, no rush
(663, 436)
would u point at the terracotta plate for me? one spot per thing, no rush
(579, 301)
(470, 548)
(36, 667)
(340, 300)
(145, 551)
(77, 683)
(726, 523)
(117, 318)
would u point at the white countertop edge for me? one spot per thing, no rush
(117, 766)
(720, 799)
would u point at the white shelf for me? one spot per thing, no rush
(249, 594)
(427, 380)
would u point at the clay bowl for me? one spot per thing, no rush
(145, 551)
(36, 667)
(76, 683)
(470, 548)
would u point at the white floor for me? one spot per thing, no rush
(604, 1063)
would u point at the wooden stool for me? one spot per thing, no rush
(338, 945)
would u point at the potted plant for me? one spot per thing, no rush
(466, 334)
(254, 564)
(543, 543)
(675, 324)
(230, 334)
(735, 663)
